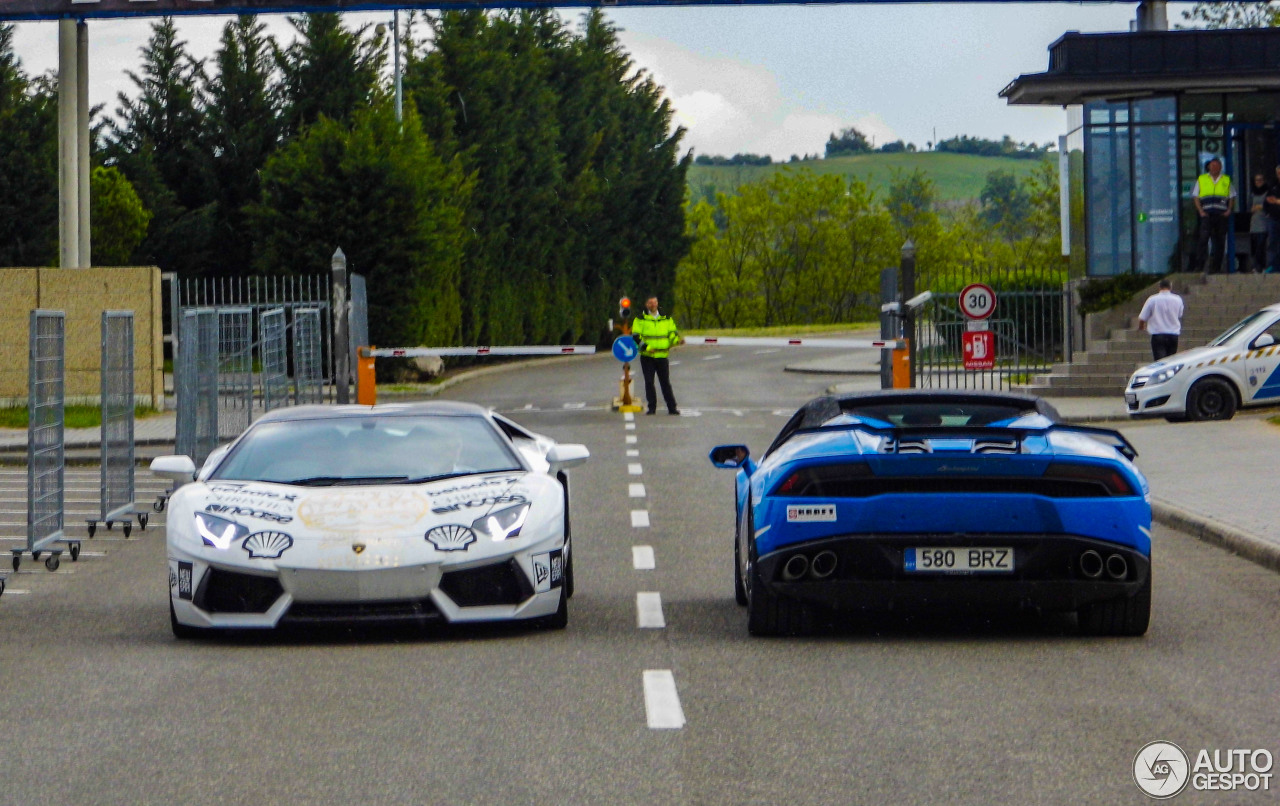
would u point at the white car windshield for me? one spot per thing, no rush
(1235, 329)
(368, 450)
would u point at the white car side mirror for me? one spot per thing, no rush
(178, 469)
(562, 457)
(1265, 340)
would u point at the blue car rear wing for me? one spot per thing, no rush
(986, 439)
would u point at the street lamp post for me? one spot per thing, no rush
(395, 60)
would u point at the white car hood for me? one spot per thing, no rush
(362, 511)
(1187, 357)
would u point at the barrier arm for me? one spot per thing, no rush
(900, 361)
(366, 386)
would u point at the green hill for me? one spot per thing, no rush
(957, 176)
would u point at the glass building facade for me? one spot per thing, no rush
(1132, 164)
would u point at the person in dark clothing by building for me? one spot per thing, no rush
(1271, 206)
(1214, 198)
(1258, 224)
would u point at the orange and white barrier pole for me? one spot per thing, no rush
(366, 385)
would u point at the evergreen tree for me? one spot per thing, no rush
(380, 191)
(1233, 15)
(117, 217)
(329, 70)
(28, 164)
(243, 113)
(158, 141)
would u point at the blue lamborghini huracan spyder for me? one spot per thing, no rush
(905, 500)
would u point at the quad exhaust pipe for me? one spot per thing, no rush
(795, 567)
(1117, 566)
(1091, 564)
(823, 565)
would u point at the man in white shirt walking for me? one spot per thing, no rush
(1162, 316)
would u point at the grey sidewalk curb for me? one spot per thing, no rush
(1211, 530)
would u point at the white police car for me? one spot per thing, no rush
(1239, 368)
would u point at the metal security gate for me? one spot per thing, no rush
(46, 458)
(235, 370)
(116, 457)
(275, 359)
(196, 384)
(308, 357)
(1033, 311)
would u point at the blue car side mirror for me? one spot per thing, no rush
(731, 456)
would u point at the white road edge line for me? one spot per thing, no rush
(661, 702)
(649, 611)
(635, 490)
(639, 518)
(575, 405)
(711, 358)
(642, 558)
(634, 469)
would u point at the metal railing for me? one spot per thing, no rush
(116, 452)
(308, 356)
(196, 384)
(275, 358)
(235, 370)
(46, 456)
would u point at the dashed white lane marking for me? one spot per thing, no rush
(649, 611)
(764, 352)
(630, 426)
(635, 490)
(528, 406)
(711, 357)
(640, 518)
(675, 363)
(15, 592)
(635, 469)
(575, 405)
(661, 702)
(629, 416)
(642, 558)
(632, 452)
(631, 439)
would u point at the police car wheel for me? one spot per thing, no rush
(1211, 399)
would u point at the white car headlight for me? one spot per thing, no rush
(1165, 375)
(502, 524)
(218, 532)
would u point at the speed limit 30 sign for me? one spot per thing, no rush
(977, 301)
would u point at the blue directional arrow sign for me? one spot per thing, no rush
(625, 349)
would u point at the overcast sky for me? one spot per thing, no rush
(766, 80)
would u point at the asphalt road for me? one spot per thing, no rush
(104, 706)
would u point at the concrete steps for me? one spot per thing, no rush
(1213, 304)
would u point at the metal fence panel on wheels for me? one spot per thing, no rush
(274, 352)
(235, 370)
(196, 383)
(308, 356)
(117, 403)
(46, 458)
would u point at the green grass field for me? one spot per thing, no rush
(74, 416)
(957, 176)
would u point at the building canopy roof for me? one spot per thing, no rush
(1084, 67)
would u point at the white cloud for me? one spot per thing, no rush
(729, 106)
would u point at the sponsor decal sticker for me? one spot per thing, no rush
(267, 545)
(248, 512)
(184, 581)
(363, 509)
(811, 513)
(548, 571)
(451, 537)
(479, 503)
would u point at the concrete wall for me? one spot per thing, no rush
(83, 294)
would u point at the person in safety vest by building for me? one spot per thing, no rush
(656, 334)
(1215, 200)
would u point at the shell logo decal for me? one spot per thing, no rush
(451, 537)
(363, 509)
(267, 545)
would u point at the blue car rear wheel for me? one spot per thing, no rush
(1129, 615)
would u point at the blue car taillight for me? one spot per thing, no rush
(1107, 480)
(826, 481)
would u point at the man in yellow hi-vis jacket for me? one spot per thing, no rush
(656, 334)
(1215, 201)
